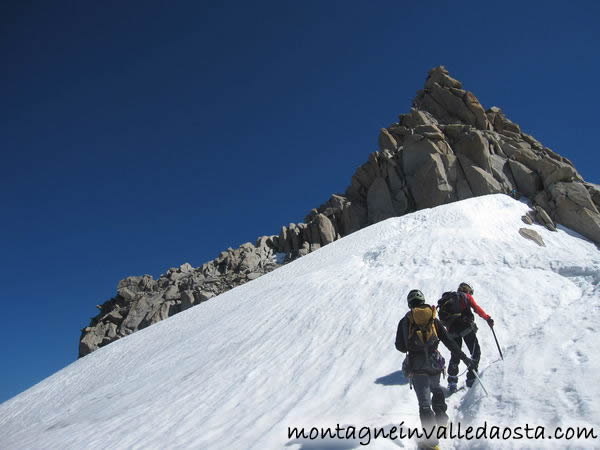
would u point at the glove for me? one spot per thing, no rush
(490, 322)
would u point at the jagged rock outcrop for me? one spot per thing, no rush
(141, 301)
(446, 148)
(539, 215)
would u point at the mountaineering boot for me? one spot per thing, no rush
(441, 418)
(427, 417)
(438, 404)
(470, 381)
(428, 420)
(452, 386)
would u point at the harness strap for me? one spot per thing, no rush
(466, 332)
(462, 334)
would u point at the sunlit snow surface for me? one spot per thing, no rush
(312, 344)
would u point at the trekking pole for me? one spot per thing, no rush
(482, 386)
(498, 345)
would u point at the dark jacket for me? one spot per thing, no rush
(420, 361)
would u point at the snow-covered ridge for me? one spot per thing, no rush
(312, 344)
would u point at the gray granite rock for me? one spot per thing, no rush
(528, 182)
(532, 235)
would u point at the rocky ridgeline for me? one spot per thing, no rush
(141, 301)
(447, 148)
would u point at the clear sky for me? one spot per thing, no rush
(137, 136)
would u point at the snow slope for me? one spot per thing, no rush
(312, 344)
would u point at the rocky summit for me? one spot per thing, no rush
(448, 147)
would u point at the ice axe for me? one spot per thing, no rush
(497, 345)
(479, 379)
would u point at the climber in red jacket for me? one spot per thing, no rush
(456, 313)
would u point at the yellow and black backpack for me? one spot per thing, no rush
(422, 333)
(421, 336)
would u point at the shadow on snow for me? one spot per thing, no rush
(396, 378)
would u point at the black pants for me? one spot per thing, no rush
(473, 346)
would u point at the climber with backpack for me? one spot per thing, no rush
(456, 313)
(419, 333)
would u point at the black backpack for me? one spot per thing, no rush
(450, 309)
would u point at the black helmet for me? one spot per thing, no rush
(415, 298)
(466, 288)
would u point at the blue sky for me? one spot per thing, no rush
(140, 135)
